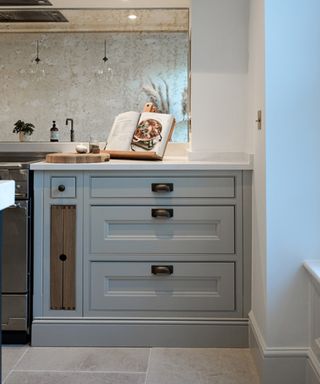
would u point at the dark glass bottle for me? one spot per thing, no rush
(54, 132)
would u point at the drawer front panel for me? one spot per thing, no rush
(63, 187)
(147, 229)
(142, 187)
(125, 286)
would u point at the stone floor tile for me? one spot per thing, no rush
(85, 359)
(10, 356)
(237, 362)
(43, 377)
(201, 366)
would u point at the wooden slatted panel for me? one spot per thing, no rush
(62, 272)
(69, 250)
(56, 249)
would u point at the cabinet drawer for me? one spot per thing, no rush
(62, 187)
(142, 187)
(125, 286)
(146, 229)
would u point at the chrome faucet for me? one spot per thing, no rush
(71, 130)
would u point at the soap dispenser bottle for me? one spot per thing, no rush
(54, 132)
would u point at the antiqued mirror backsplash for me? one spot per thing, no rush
(72, 80)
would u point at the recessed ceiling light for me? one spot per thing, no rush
(132, 17)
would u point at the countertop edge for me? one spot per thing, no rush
(174, 164)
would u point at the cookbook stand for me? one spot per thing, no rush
(148, 155)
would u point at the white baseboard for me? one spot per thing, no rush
(277, 365)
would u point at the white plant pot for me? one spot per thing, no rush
(24, 136)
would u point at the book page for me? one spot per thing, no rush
(122, 131)
(152, 133)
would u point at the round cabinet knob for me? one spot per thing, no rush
(61, 188)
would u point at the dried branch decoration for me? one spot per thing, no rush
(158, 95)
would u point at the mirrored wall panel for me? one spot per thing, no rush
(91, 68)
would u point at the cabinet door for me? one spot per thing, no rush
(62, 257)
(172, 229)
(152, 288)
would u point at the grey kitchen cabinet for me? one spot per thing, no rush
(163, 258)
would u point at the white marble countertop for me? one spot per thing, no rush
(6, 193)
(243, 162)
(178, 157)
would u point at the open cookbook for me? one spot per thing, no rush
(140, 135)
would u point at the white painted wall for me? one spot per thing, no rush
(256, 102)
(292, 163)
(286, 189)
(219, 64)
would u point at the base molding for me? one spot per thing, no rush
(277, 365)
(90, 333)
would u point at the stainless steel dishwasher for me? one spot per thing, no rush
(17, 250)
(15, 271)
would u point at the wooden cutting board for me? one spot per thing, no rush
(66, 157)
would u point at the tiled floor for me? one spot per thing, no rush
(26, 365)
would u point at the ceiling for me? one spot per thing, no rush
(102, 20)
(111, 3)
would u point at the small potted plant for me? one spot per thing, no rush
(25, 130)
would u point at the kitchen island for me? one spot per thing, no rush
(140, 253)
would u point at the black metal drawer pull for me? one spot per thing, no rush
(162, 269)
(61, 188)
(161, 187)
(162, 212)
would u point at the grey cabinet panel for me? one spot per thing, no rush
(131, 286)
(120, 229)
(170, 187)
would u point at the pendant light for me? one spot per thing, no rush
(105, 71)
(37, 68)
(37, 59)
(105, 59)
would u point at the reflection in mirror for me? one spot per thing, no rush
(111, 65)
